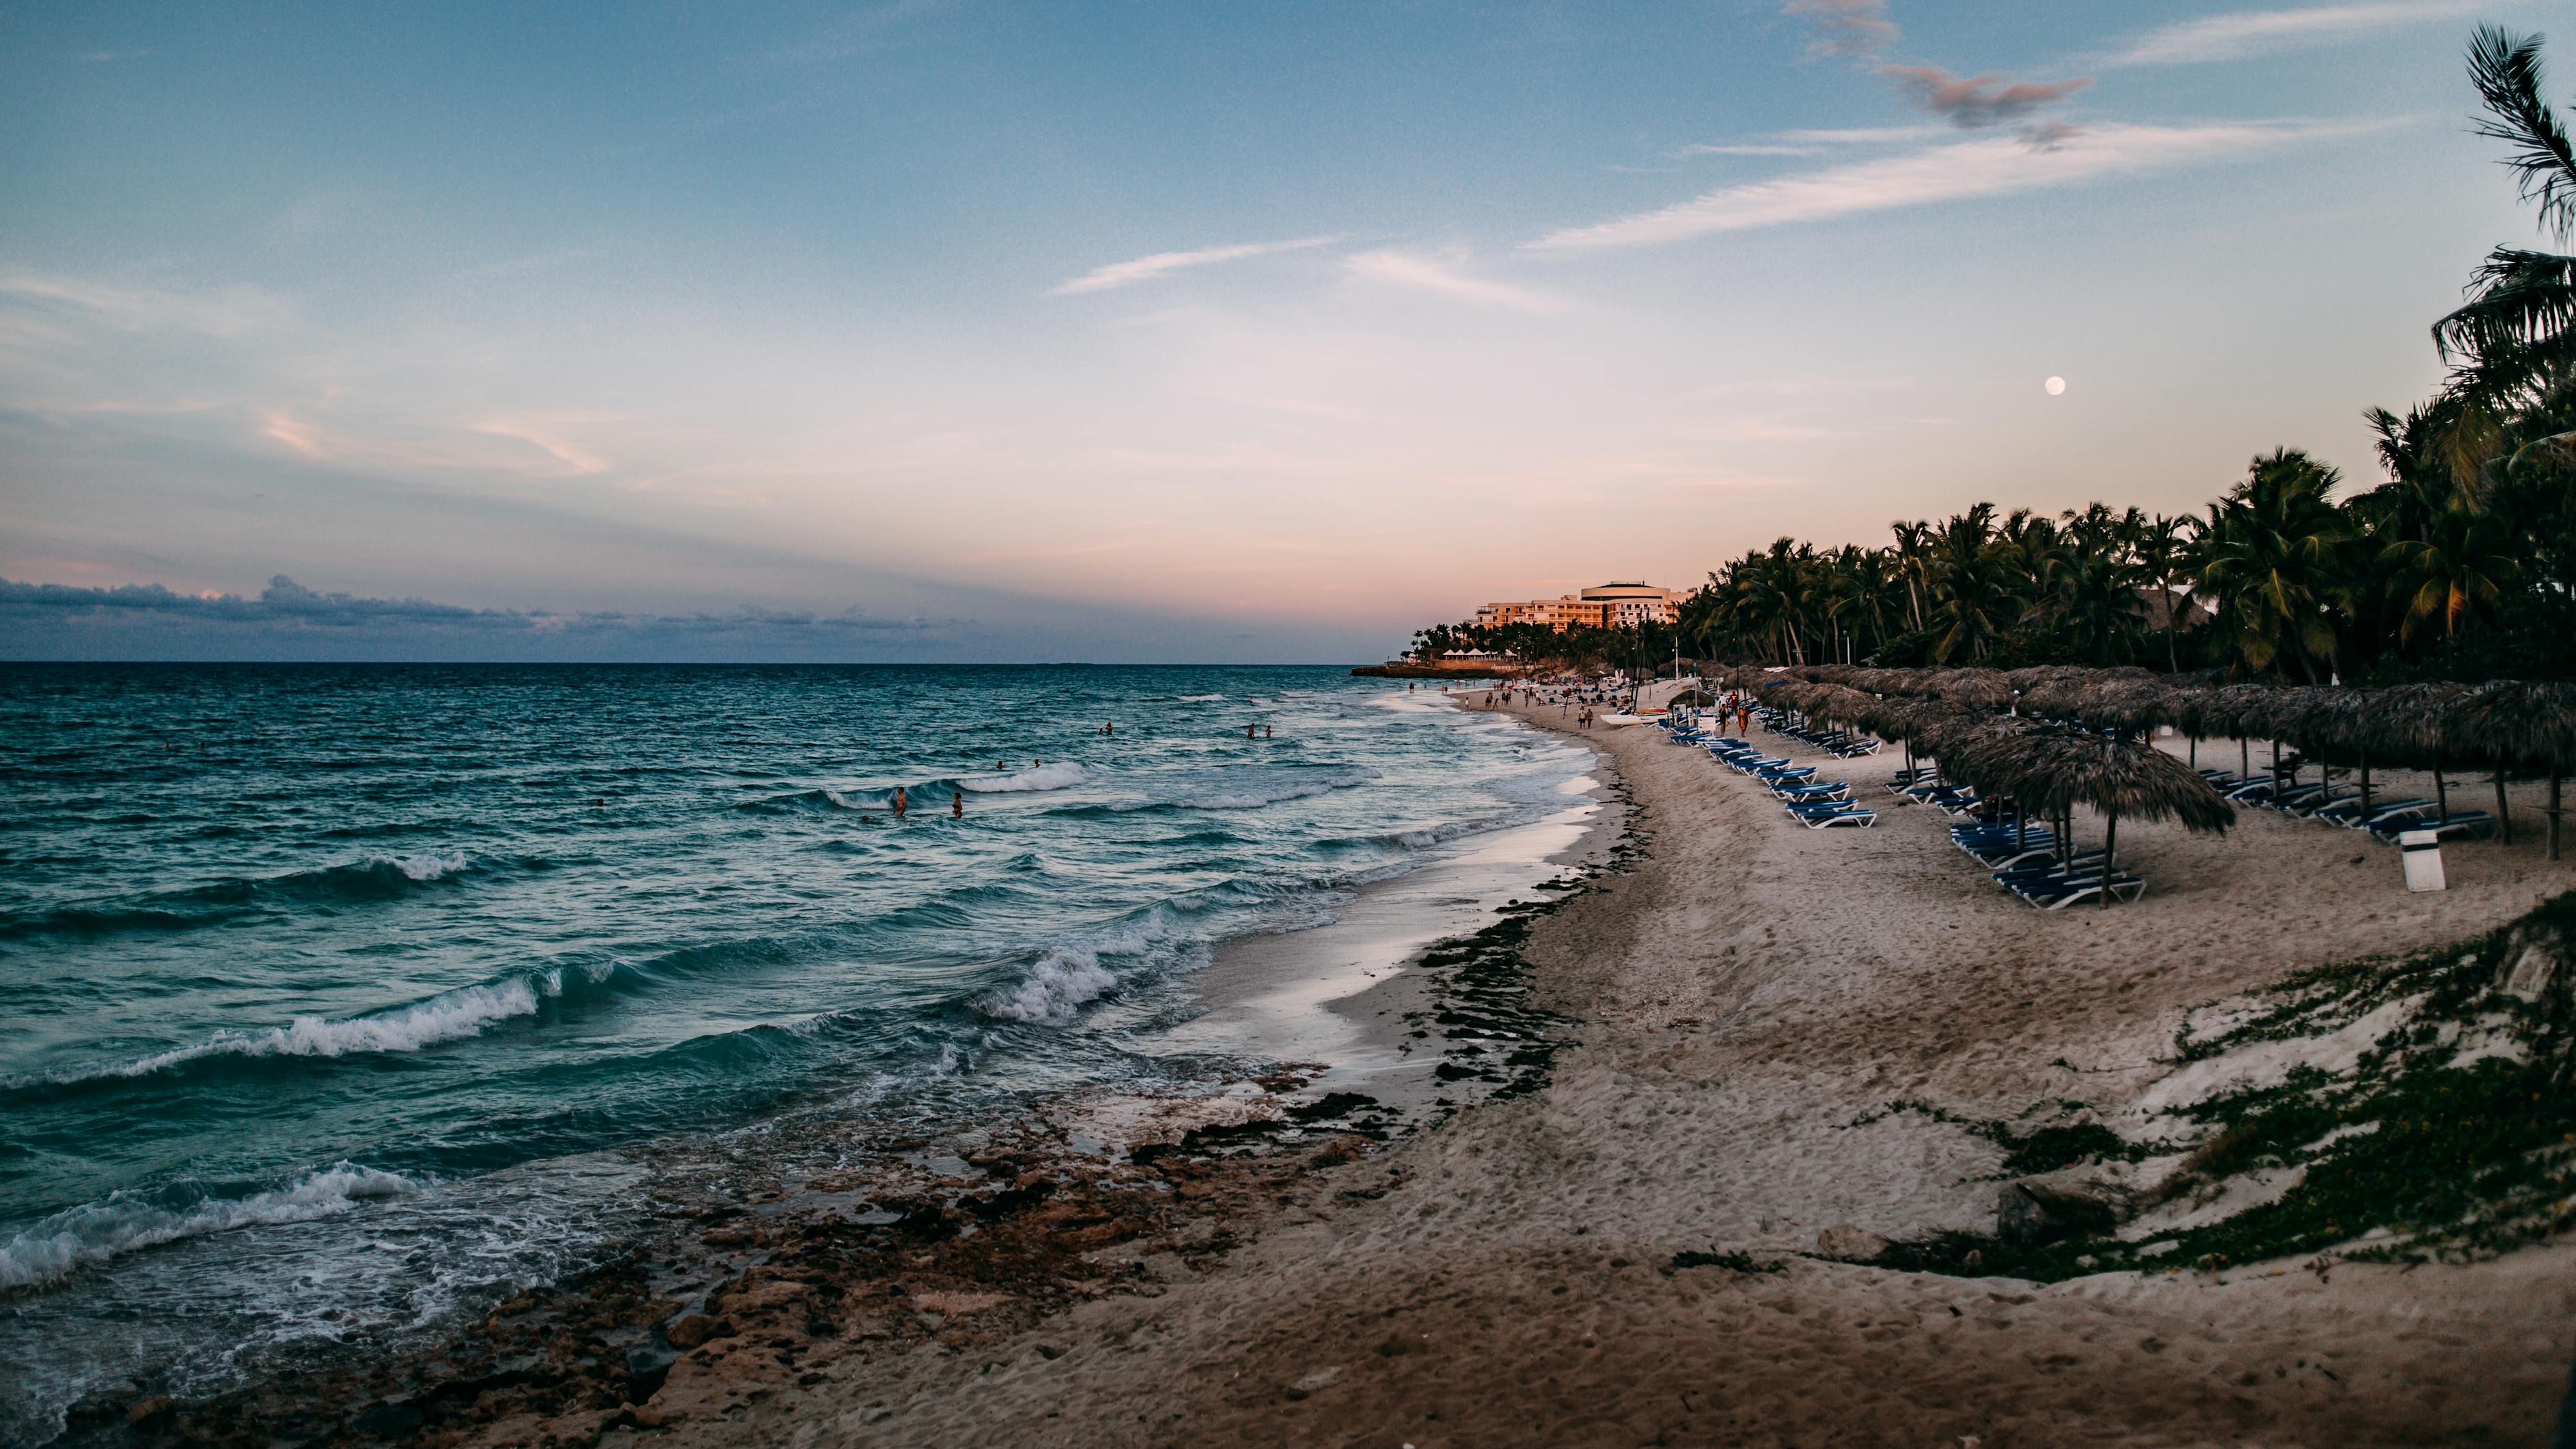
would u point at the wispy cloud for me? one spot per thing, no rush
(1860, 135)
(2252, 32)
(856, 31)
(1993, 166)
(287, 609)
(1421, 274)
(1978, 100)
(1146, 269)
(140, 309)
(1845, 27)
(1749, 149)
(545, 438)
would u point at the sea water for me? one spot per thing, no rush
(330, 995)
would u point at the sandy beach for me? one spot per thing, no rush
(1743, 996)
(1768, 1049)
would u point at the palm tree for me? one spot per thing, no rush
(2162, 546)
(2273, 560)
(1973, 598)
(2513, 335)
(2088, 582)
(2460, 560)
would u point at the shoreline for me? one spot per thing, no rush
(1630, 1253)
(1763, 1048)
(614, 1347)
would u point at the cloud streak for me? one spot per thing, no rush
(1995, 166)
(1845, 27)
(1163, 264)
(289, 619)
(1423, 275)
(2253, 32)
(228, 313)
(1978, 100)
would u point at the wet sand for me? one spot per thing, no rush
(1750, 997)
(1741, 1004)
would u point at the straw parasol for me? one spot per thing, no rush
(2241, 710)
(1975, 688)
(2408, 724)
(2118, 777)
(2519, 725)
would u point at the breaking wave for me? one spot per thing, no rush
(448, 1016)
(1068, 975)
(1039, 777)
(125, 1222)
(377, 878)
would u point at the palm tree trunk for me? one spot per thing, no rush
(2553, 815)
(2504, 817)
(2110, 842)
(2441, 795)
(2365, 789)
(2244, 760)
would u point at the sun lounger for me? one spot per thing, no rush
(1854, 815)
(2349, 815)
(2059, 895)
(2479, 823)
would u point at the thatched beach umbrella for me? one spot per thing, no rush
(1975, 688)
(2133, 706)
(2242, 710)
(2411, 724)
(2117, 776)
(2524, 725)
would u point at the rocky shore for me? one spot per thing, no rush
(1767, 1114)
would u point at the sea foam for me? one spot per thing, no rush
(1037, 777)
(448, 1016)
(1067, 975)
(123, 1222)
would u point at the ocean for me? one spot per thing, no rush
(334, 1000)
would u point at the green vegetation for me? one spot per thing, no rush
(1733, 1262)
(2461, 564)
(2454, 1134)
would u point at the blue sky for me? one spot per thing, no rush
(1154, 331)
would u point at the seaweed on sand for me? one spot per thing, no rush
(2452, 1136)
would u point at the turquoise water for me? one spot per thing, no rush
(327, 993)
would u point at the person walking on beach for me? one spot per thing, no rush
(900, 804)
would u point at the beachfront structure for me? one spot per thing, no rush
(1616, 605)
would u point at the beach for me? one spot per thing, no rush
(1745, 1000)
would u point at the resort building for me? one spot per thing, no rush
(1603, 606)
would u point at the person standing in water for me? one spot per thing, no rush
(1266, 734)
(1248, 731)
(957, 806)
(900, 803)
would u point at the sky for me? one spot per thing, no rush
(944, 330)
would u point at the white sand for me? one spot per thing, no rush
(1750, 991)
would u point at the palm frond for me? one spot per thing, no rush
(2515, 297)
(2506, 70)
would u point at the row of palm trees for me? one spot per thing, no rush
(2461, 562)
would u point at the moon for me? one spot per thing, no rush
(2055, 385)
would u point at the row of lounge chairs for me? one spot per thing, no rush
(2035, 865)
(2385, 818)
(2025, 858)
(1811, 802)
